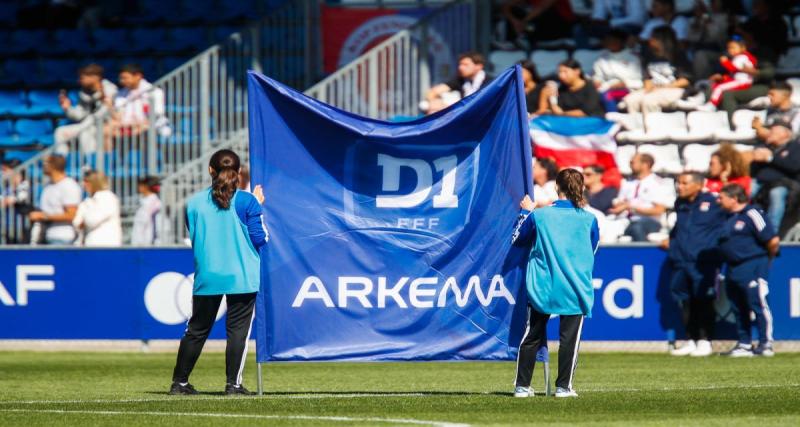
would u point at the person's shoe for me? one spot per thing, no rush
(741, 350)
(764, 350)
(237, 389)
(703, 349)
(691, 103)
(686, 349)
(708, 107)
(523, 392)
(565, 392)
(185, 389)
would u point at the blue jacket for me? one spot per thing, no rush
(695, 237)
(745, 235)
(564, 240)
(226, 243)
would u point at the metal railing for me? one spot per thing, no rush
(190, 111)
(391, 79)
(387, 81)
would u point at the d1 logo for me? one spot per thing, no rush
(425, 188)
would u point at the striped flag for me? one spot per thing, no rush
(576, 141)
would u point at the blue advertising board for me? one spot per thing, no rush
(146, 294)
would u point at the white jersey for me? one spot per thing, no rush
(54, 200)
(145, 222)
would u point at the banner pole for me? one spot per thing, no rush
(546, 379)
(260, 379)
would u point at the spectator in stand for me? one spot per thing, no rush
(780, 109)
(617, 71)
(471, 78)
(765, 33)
(776, 170)
(58, 205)
(544, 182)
(627, 16)
(598, 195)
(748, 244)
(136, 104)
(667, 74)
(145, 222)
(244, 178)
(694, 255)
(16, 195)
(643, 199)
(95, 95)
(708, 33)
(664, 14)
(532, 21)
(98, 216)
(727, 166)
(575, 96)
(735, 77)
(532, 85)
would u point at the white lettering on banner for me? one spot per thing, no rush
(25, 284)
(794, 297)
(422, 292)
(5, 296)
(319, 292)
(636, 289)
(417, 223)
(424, 175)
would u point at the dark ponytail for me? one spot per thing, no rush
(570, 184)
(224, 166)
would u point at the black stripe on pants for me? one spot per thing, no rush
(238, 322)
(536, 334)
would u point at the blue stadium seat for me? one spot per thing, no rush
(238, 10)
(12, 102)
(109, 40)
(110, 67)
(21, 156)
(44, 102)
(170, 63)
(222, 33)
(59, 72)
(32, 131)
(184, 38)
(68, 41)
(22, 41)
(20, 71)
(147, 40)
(8, 14)
(7, 137)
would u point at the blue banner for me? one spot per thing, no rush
(390, 241)
(146, 294)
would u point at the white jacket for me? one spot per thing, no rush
(100, 217)
(623, 66)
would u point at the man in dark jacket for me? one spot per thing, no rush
(696, 261)
(775, 169)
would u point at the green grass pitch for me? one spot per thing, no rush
(121, 389)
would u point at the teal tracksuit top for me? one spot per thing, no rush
(225, 259)
(563, 240)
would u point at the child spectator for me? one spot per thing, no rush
(617, 71)
(145, 222)
(737, 64)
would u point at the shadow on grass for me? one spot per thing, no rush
(399, 393)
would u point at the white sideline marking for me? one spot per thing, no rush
(247, 416)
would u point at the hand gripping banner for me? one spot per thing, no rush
(390, 241)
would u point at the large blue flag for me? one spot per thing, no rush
(390, 241)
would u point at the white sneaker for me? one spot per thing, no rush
(688, 348)
(703, 349)
(739, 351)
(523, 392)
(709, 107)
(691, 103)
(564, 392)
(764, 350)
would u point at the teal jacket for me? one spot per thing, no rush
(563, 241)
(226, 243)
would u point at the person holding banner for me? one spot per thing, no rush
(564, 238)
(227, 232)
